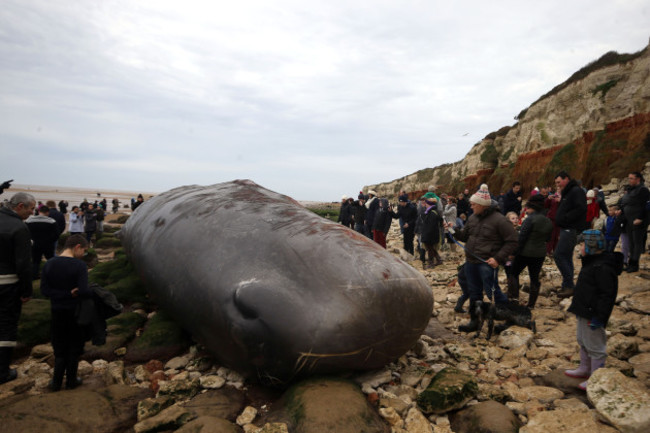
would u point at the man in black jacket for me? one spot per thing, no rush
(512, 199)
(408, 213)
(15, 274)
(633, 205)
(571, 218)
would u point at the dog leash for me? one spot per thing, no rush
(463, 247)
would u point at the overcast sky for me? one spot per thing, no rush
(312, 99)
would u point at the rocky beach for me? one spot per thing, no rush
(151, 377)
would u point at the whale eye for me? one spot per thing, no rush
(247, 309)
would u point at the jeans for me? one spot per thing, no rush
(610, 245)
(563, 256)
(481, 277)
(360, 228)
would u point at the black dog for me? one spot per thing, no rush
(512, 312)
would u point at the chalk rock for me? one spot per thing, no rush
(622, 347)
(212, 382)
(247, 416)
(514, 337)
(544, 394)
(621, 401)
(415, 422)
(169, 419)
(641, 362)
(563, 421)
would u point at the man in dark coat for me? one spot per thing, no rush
(345, 212)
(571, 218)
(372, 204)
(633, 206)
(359, 214)
(408, 214)
(490, 240)
(58, 217)
(512, 199)
(44, 233)
(15, 274)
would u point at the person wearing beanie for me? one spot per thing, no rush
(534, 233)
(490, 238)
(593, 301)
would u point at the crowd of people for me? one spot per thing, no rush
(29, 231)
(506, 231)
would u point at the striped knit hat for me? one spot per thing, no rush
(482, 196)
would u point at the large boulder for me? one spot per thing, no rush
(620, 400)
(81, 410)
(492, 417)
(327, 405)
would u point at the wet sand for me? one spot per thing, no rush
(74, 196)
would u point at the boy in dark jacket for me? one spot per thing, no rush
(612, 228)
(593, 301)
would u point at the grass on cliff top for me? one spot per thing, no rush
(608, 59)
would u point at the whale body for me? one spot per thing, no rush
(272, 289)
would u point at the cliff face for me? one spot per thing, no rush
(596, 126)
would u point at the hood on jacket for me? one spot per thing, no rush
(614, 260)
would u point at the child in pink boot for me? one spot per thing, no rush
(593, 301)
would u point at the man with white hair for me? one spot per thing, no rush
(15, 274)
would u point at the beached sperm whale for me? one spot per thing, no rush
(271, 288)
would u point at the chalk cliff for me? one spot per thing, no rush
(595, 125)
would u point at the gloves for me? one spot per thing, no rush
(595, 324)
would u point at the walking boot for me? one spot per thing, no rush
(71, 379)
(565, 292)
(473, 322)
(57, 376)
(584, 369)
(459, 305)
(532, 296)
(6, 374)
(633, 266)
(594, 365)
(513, 287)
